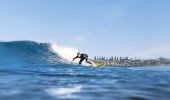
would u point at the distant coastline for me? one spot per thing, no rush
(130, 62)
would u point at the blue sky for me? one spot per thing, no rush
(134, 28)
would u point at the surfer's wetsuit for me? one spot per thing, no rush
(82, 57)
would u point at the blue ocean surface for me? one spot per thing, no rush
(33, 71)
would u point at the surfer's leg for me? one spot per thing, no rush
(86, 57)
(89, 62)
(81, 60)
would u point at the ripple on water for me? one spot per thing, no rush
(64, 92)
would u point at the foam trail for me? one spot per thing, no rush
(66, 52)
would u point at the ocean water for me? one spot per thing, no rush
(35, 71)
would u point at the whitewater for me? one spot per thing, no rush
(41, 71)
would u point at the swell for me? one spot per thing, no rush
(27, 53)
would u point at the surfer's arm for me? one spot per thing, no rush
(75, 58)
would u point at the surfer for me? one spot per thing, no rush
(82, 58)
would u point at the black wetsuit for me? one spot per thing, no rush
(82, 57)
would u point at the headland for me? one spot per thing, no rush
(129, 62)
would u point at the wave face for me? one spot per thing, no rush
(28, 53)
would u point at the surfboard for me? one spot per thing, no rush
(86, 64)
(97, 65)
(93, 65)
